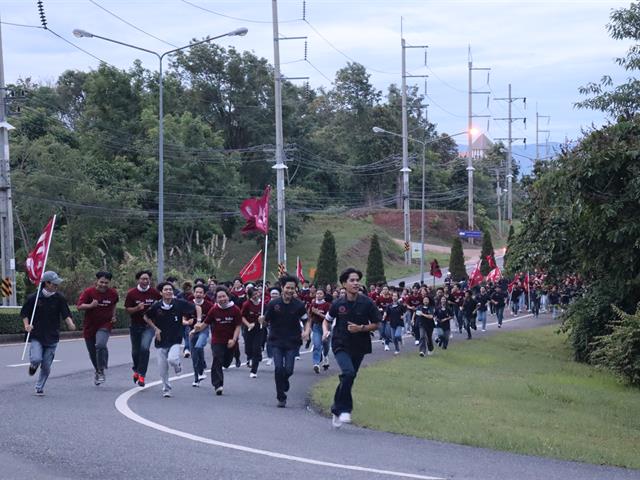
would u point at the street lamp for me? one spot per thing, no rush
(424, 147)
(239, 32)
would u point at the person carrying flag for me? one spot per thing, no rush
(44, 332)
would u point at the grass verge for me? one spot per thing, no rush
(517, 392)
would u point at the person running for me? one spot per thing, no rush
(354, 317)
(469, 311)
(283, 315)
(274, 293)
(225, 320)
(317, 310)
(482, 299)
(253, 329)
(136, 303)
(498, 300)
(198, 339)
(167, 317)
(414, 301)
(393, 314)
(443, 317)
(44, 332)
(99, 306)
(382, 301)
(424, 318)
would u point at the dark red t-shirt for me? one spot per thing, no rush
(100, 316)
(135, 297)
(383, 302)
(250, 311)
(323, 307)
(414, 301)
(223, 323)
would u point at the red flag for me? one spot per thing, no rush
(253, 270)
(476, 276)
(299, 270)
(494, 275)
(435, 269)
(512, 284)
(491, 261)
(256, 211)
(37, 258)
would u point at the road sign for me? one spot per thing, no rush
(469, 234)
(407, 246)
(5, 287)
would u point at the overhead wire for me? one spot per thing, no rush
(236, 18)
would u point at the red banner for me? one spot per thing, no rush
(494, 275)
(476, 276)
(256, 212)
(252, 271)
(37, 258)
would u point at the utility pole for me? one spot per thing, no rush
(498, 196)
(509, 163)
(280, 166)
(538, 131)
(406, 199)
(470, 169)
(6, 202)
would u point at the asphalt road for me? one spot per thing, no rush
(80, 431)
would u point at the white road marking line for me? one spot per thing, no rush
(122, 406)
(26, 364)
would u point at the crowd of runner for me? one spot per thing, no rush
(183, 319)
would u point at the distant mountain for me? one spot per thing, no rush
(525, 156)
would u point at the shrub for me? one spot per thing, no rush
(375, 265)
(456, 261)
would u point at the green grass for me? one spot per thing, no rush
(517, 391)
(352, 246)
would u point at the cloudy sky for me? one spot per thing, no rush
(544, 49)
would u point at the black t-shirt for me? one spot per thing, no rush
(46, 323)
(481, 301)
(394, 314)
(498, 297)
(443, 316)
(169, 321)
(424, 321)
(362, 311)
(469, 306)
(284, 322)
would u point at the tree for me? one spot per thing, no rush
(327, 269)
(505, 265)
(375, 265)
(622, 101)
(486, 251)
(456, 261)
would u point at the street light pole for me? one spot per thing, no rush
(422, 209)
(84, 34)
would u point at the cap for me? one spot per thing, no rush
(51, 276)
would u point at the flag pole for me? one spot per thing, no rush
(529, 290)
(35, 304)
(264, 272)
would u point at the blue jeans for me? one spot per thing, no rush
(284, 360)
(42, 355)
(185, 336)
(97, 348)
(482, 317)
(385, 332)
(349, 365)
(397, 337)
(320, 348)
(199, 341)
(141, 338)
(500, 314)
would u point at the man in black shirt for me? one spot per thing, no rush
(168, 317)
(44, 331)
(284, 316)
(355, 316)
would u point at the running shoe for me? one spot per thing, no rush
(316, 368)
(32, 369)
(386, 347)
(141, 380)
(166, 393)
(135, 377)
(196, 383)
(187, 353)
(335, 421)
(282, 403)
(253, 375)
(39, 392)
(421, 354)
(345, 417)
(219, 391)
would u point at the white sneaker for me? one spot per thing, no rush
(195, 384)
(386, 347)
(345, 417)
(421, 354)
(269, 362)
(429, 353)
(202, 377)
(253, 375)
(166, 393)
(417, 342)
(186, 353)
(396, 352)
(484, 329)
(335, 421)
(219, 391)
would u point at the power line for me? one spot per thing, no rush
(236, 18)
(131, 24)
